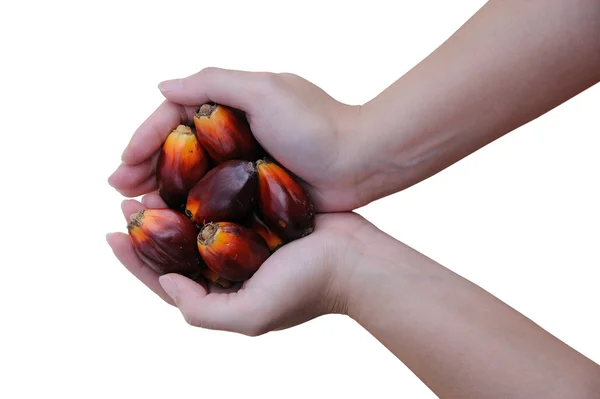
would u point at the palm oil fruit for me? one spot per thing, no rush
(283, 203)
(226, 193)
(259, 226)
(181, 163)
(214, 278)
(165, 240)
(231, 250)
(224, 134)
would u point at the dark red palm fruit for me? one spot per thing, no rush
(181, 163)
(225, 134)
(225, 194)
(259, 226)
(284, 205)
(165, 240)
(231, 250)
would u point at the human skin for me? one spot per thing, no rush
(461, 341)
(509, 64)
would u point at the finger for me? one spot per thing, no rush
(151, 134)
(129, 207)
(238, 89)
(243, 312)
(153, 200)
(131, 176)
(123, 250)
(148, 186)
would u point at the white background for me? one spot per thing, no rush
(520, 217)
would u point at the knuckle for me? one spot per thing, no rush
(288, 75)
(208, 71)
(268, 81)
(203, 77)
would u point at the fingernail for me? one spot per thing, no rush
(108, 235)
(169, 85)
(169, 286)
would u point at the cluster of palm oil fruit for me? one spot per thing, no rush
(230, 205)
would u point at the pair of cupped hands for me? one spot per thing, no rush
(315, 137)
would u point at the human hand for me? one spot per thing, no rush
(300, 125)
(302, 280)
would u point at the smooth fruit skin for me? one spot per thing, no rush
(165, 240)
(225, 194)
(224, 134)
(231, 250)
(259, 226)
(284, 205)
(181, 163)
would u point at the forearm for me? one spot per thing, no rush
(510, 63)
(457, 338)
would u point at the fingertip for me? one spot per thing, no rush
(130, 206)
(170, 85)
(140, 189)
(118, 242)
(183, 291)
(224, 86)
(111, 237)
(127, 156)
(153, 200)
(185, 286)
(134, 154)
(170, 287)
(142, 143)
(111, 179)
(150, 135)
(114, 178)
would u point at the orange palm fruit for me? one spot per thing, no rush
(231, 250)
(224, 134)
(214, 278)
(283, 203)
(259, 226)
(165, 240)
(225, 194)
(181, 163)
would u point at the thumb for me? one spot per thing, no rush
(237, 89)
(243, 312)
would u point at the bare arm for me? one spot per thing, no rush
(510, 63)
(458, 339)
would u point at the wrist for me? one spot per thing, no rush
(374, 151)
(358, 154)
(386, 278)
(370, 270)
(369, 286)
